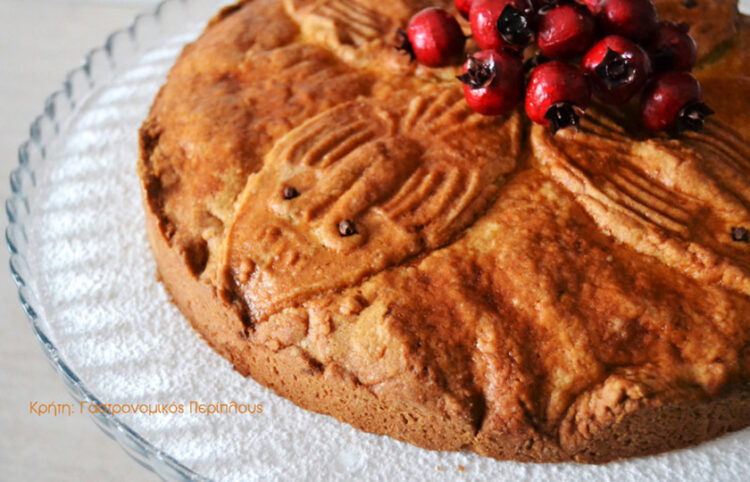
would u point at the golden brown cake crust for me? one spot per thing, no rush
(523, 295)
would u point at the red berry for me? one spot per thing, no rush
(556, 95)
(464, 7)
(490, 32)
(565, 30)
(672, 101)
(493, 82)
(617, 69)
(634, 19)
(673, 48)
(434, 38)
(594, 6)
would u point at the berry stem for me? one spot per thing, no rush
(479, 74)
(562, 115)
(615, 70)
(514, 26)
(692, 117)
(403, 44)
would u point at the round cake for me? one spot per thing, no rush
(338, 223)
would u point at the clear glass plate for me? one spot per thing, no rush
(85, 276)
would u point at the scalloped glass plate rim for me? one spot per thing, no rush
(17, 206)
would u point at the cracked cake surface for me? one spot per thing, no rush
(337, 223)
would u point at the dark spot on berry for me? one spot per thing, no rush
(479, 73)
(692, 117)
(514, 26)
(290, 193)
(562, 115)
(690, 3)
(740, 235)
(663, 60)
(403, 44)
(347, 228)
(615, 70)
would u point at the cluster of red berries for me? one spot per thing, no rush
(611, 49)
